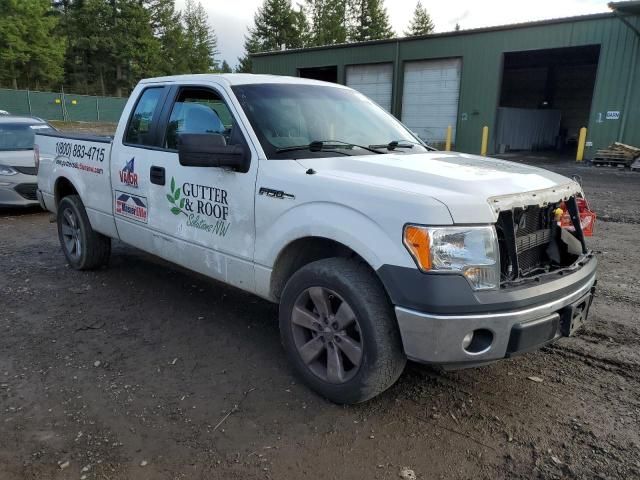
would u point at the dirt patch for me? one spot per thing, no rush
(143, 370)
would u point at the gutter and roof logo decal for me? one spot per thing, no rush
(174, 198)
(131, 206)
(128, 176)
(205, 207)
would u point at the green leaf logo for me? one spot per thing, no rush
(173, 197)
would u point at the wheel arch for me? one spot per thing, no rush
(305, 250)
(63, 187)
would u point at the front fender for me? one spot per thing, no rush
(336, 222)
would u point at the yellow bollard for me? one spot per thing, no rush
(581, 142)
(485, 140)
(449, 133)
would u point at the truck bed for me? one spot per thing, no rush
(87, 137)
(81, 160)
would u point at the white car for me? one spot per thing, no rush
(18, 180)
(308, 194)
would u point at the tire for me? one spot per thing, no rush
(320, 350)
(84, 248)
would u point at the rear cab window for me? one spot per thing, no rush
(140, 127)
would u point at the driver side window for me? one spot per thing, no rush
(199, 110)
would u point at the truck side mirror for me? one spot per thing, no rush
(211, 150)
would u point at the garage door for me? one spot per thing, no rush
(430, 98)
(374, 81)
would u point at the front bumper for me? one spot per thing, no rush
(18, 190)
(440, 338)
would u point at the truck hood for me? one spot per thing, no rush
(474, 189)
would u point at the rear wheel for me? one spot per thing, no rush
(84, 248)
(339, 330)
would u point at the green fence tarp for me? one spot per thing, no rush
(58, 106)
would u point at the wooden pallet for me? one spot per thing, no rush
(633, 151)
(611, 161)
(617, 155)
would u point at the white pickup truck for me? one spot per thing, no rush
(377, 248)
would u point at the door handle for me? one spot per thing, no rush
(156, 175)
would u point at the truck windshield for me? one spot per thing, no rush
(19, 136)
(294, 121)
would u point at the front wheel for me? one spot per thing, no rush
(84, 248)
(339, 330)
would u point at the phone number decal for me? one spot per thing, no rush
(80, 151)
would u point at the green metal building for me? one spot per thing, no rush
(533, 84)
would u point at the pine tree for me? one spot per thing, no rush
(421, 23)
(369, 21)
(166, 22)
(276, 23)
(162, 13)
(136, 51)
(88, 65)
(110, 44)
(200, 42)
(251, 45)
(302, 29)
(225, 68)
(328, 21)
(31, 55)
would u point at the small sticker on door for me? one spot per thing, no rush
(131, 206)
(128, 176)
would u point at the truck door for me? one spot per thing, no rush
(201, 217)
(132, 147)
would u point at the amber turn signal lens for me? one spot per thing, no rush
(416, 239)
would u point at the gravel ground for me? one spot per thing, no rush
(144, 370)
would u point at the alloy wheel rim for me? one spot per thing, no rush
(71, 236)
(327, 335)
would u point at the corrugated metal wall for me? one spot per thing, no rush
(617, 86)
(49, 106)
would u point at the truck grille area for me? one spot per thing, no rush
(524, 237)
(529, 220)
(533, 234)
(533, 258)
(531, 243)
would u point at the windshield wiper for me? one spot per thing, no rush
(392, 145)
(326, 145)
